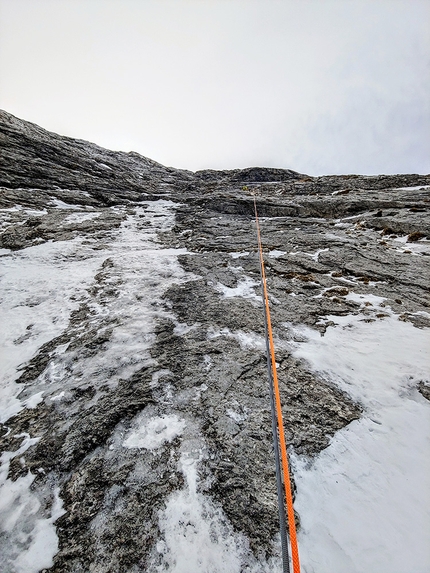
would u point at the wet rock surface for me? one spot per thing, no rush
(168, 322)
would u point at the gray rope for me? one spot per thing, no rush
(281, 502)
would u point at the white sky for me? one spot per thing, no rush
(318, 86)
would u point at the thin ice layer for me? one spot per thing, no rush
(41, 285)
(196, 536)
(153, 432)
(31, 548)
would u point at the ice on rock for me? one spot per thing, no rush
(244, 288)
(151, 434)
(81, 217)
(41, 285)
(196, 536)
(29, 538)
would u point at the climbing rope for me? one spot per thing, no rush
(278, 430)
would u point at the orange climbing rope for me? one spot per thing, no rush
(280, 423)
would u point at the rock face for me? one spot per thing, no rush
(136, 382)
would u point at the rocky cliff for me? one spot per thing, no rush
(135, 407)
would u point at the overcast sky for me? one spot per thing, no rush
(318, 86)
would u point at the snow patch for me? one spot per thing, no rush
(364, 502)
(182, 328)
(196, 536)
(414, 188)
(34, 400)
(239, 255)
(35, 212)
(29, 538)
(236, 416)
(58, 396)
(276, 254)
(371, 299)
(41, 285)
(313, 256)
(62, 205)
(250, 340)
(153, 433)
(81, 217)
(244, 289)
(416, 248)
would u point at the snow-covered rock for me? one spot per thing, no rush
(134, 402)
